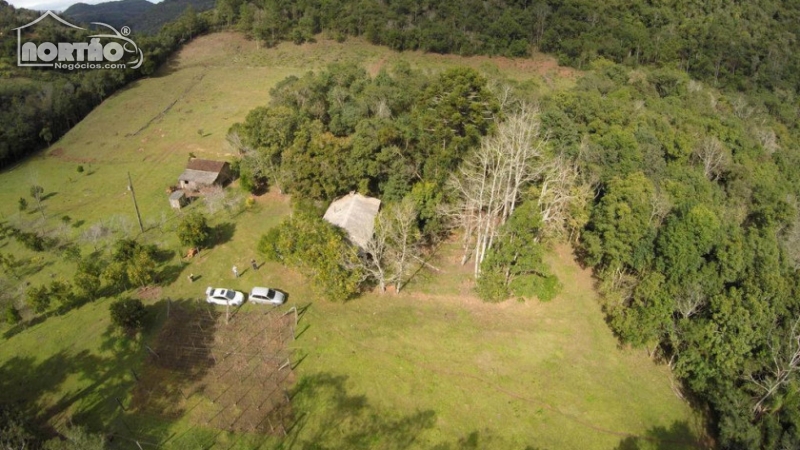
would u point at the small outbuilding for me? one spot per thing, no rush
(177, 199)
(356, 214)
(204, 173)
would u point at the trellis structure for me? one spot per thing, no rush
(232, 376)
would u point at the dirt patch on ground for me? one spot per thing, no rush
(272, 196)
(149, 293)
(537, 63)
(376, 67)
(206, 50)
(231, 375)
(60, 153)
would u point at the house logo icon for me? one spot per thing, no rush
(103, 51)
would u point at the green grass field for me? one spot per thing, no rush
(431, 368)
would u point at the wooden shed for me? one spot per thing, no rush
(203, 173)
(177, 199)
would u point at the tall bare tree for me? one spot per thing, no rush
(376, 252)
(490, 180)
(561, 196)
(213, 197)
(96, 233)
(713, 156)
(691, 301)
(37, 193)
(785, 365)
(394, 245)
(404, 236)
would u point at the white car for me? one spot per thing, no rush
(224, 297)
(266, 295)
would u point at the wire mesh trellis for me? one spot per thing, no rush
(226, 375)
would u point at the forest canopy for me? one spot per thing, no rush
(680, 196)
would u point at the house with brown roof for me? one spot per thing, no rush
(203, 173)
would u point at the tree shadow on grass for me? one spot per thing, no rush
(24, 380)
(170, 273)
(22, 326)
(162, 255)
(221, 234)
(678, 436)
(180, 356)
(328, 416)
(36, 387)
(27, 267)
(484, 439)
(100, 383)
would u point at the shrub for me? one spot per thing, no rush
(61, 292)
(12, 316)
(193, 231)
(319, 250)
(128, 314)
(71, 253)
(38, 298)
(491, 286)
(31, 241)
(544, 287)
(77, 438)
(547, 288)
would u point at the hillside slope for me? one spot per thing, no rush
(140, 15)
(156, 17)
(431, 367)
(116, 14)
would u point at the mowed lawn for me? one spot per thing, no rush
(432, 367)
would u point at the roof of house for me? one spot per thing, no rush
(202, 171)
(354, 213)
(206, 165)
(199, 176)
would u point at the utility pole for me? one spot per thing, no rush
(135, 205)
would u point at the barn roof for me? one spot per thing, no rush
(354, 213)
(202, 171)
(199, 176)
(206, 165)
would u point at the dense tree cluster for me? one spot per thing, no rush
(682, 198)
(339, 130)
(319, 250)
(745, 45)
(401, 136)
(693, 229)
(690, 234)
(467, 27)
